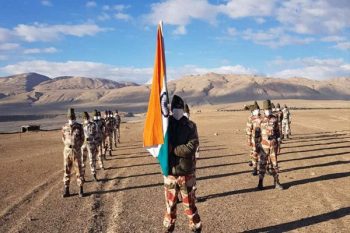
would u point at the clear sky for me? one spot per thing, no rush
(116, 39)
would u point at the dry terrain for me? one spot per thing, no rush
(129, 197)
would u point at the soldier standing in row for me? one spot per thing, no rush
(268, 150)
(253, 132)
(100, 143)
(183, 141)
(73, 138)
(108, 133)
(116, 132)
(279, 115)
(286, 132)
(91, 142)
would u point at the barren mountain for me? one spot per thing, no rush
(34, 91)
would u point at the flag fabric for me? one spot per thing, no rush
(155, 136)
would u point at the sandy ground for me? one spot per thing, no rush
(129, 197)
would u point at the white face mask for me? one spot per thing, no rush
(178, 113)
(267, 112)
(86, 121)
(99, 118)
(71, 122)
(95, 117)
(256, 112)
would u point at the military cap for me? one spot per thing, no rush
(177, 102)
(267, 104)
(71, 114)
(272, 105)
(278, 105)
(285, 105)
(95, 113)
(86, 116)
(256, 105)
(116, 111)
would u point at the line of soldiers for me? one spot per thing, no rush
(93, 138)
(264, 135)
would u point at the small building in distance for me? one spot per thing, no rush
(27, 128)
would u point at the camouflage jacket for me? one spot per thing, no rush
(91, 133)
(118, 121)
(269, 131)
(100, 126)
(286, 115)
(109, 125)
(279, 116)
(183, 143)
(73, 135)
(253, 130)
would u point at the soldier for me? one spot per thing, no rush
(108, 132)
(183, 141)
(286, 132)
(116, 132)
(253, 132)
(100, 145)
(103, 123)
(73, 138)
(268, 149)
(279, 115)
(91, 143)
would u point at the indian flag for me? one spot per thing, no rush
(155, 136)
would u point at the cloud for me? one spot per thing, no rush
(9, 46)
(181, 12)
(247, 8)
(86, 69)
(46, 3)
(314, 16)
(91, 4)
(5, 34)
(180, 30)
(311, 67)
(274, 37)
(122, 16)
(342, 45)
(333, 39)
(40, 50)
(43, 32)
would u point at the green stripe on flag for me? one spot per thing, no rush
(163, 156)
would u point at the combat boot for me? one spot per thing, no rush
(278, 184)
(255, 171)
(95, 178)
(66, 192)
(199, 230)
(81, 192)
(260, 185)
(250, 163)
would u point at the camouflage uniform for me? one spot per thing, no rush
(73, 138)
(116, 130)
(91, 142)
(286, 132)
(279, 115)
(100, 143)
(183, 142)
(268, 150)
(108, 133)
(253, 133)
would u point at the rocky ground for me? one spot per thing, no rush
(129, 197)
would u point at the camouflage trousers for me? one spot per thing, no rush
(267, 158)
(89, 149)
(100, 154)
(116, 135)
(285, 128)
(72, 160)
(254, 156)
(108, 142)
(183, 184)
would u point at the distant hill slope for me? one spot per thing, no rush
(33, 91)
(21, 83)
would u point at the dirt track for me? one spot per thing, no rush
(315, 166)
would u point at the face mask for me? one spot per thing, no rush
(256, 112)
(99, 118)
(178, 113)
(267, 112)
(95, 117)
(86, 121)
(71, 122)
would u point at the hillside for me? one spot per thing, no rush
(34, 92)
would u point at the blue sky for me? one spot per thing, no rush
(116, 39)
